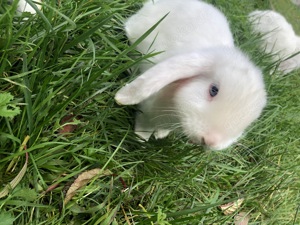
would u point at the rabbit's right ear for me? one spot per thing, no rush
(160, 75)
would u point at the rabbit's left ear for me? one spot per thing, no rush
(160, 75)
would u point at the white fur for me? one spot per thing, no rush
(279, 38)
(23, 6)
(198, 51)
(296, 2)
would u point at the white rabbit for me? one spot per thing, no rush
(200, 83)
(23, 6)
(296, 2)
(279, 38)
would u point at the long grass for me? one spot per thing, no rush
(68, 62)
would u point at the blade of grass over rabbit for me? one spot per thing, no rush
(40, 14)
(167, 177)
(279, 38)
(143, 36)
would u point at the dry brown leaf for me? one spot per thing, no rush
(231, 207)
(83, 179)
(16, 180)
(12, 165)
(67, 124)
(241, 219)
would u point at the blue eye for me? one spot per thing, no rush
(213, 90)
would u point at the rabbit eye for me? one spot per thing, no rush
(213, 90)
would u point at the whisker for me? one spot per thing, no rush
(166, 118)
(169, 126)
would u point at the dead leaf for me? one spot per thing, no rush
(68, 124)
(241, 218)
(16, 180)
(51, 188)
(83, 179)
(231, 207)
(12, 165)
(125, 216)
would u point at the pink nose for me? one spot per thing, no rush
(212, 140)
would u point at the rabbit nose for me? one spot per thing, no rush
(212, 140)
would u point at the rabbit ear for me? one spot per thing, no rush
(160, 75)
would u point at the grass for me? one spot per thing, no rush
(70, 62)
(289, 10)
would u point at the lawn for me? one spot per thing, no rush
(63, 67)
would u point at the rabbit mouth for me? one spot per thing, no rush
(212, 142)
(219, 144)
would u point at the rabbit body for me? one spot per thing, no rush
(296, 2)
(188, 26)
(200, 82)
(23, 6)
(279, 38)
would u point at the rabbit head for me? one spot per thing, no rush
(215, 94)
